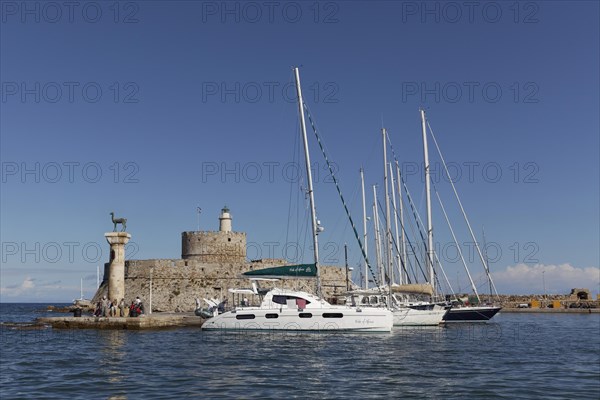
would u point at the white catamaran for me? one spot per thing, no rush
(296, 310)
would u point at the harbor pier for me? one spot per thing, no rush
(154, 321)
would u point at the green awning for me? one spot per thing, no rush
(287, 271)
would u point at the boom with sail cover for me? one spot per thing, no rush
(286, 271)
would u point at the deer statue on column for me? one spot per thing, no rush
(115, 221)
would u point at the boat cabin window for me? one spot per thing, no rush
(245, 316)
(271, 316)
(281, 299)
(333, 315)
(305, 315)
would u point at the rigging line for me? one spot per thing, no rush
(455, 240)
(337, 223)
(327, 179)
(305, 223)
(420, 268)
(422, 252)
(412, 228)
(402, 265)
(360, 244)
(408, 195)
(294, 201)
(441, 267)
(416, 215)
(485, 266)
(407, 239)
(436, 275)
(451, 290)
(287, 233)
(383, 251)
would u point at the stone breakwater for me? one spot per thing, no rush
(154, 321)
(566, 301)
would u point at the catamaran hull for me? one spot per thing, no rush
(471, 314)
(315, 320)
(412, 317)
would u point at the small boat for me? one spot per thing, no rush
(81, 302)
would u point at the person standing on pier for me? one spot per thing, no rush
(122, 308)
(104, 306)
(113, 308)
(140, 306)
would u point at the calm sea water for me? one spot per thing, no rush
(525, 356)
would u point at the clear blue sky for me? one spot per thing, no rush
(163, 102)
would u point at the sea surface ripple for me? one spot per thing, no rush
(525, 356)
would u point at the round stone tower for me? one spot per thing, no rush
(223, 246)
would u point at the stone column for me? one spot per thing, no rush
(116, 274)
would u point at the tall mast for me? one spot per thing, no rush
(362, 184)
(429, 260)
(377, 238)
(388, 231)
(401, 209)
(396, 224)
(462, 209)
(311, 194)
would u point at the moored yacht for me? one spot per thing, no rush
(471, 313)
(289, 310)
(295, 310)
(406, 311)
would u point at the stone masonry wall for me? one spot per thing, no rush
(214, 247)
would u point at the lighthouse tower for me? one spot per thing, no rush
(222, 246)
(225, 220)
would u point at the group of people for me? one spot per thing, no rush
(136, 308)
(107, 308)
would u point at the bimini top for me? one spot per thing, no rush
(286, 271)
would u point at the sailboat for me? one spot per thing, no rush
(405, 312)
(81, 301)
(297, 310)
(400, 298)
(456, 312)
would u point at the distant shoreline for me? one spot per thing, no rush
(552, 310)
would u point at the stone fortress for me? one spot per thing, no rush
(211, 263)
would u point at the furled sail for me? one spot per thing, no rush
(413, 288)
(286, 271)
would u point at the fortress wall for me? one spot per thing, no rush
(177, 283)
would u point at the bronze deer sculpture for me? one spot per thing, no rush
(115, 221)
